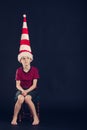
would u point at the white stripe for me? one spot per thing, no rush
(24, 25)
(24, 36)
(25, 47)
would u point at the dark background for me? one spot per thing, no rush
(57, 34)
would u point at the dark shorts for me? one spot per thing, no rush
(33, 94)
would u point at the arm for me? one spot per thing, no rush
(34, 85)
(18, 86)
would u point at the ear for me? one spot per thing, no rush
(20, 61)
(31, 60)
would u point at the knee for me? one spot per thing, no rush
(27, 99)
(20, 99)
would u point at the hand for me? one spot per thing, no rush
(24, 93)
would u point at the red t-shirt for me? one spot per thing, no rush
(26, 78)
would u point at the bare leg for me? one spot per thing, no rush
(17, 109)
(33, 110)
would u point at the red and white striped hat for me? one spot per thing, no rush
(25, 49)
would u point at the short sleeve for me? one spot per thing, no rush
(17, 76)
(36, 74)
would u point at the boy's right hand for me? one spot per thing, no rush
(24, 93)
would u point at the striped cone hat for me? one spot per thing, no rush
(25, 48)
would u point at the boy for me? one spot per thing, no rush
(26, 78)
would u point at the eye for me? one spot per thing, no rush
(23, 58)
(27, 57)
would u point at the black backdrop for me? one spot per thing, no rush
(57, 34)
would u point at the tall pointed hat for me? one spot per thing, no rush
(25, 48)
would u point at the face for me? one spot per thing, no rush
(25, 60)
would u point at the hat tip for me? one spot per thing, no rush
(24, 15)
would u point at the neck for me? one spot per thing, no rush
(26, 68)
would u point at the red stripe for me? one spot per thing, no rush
(27, 42)
(24, 19)
(25, 51)
(24, 30)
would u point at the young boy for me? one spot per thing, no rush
(26, 78)
(26, 83)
